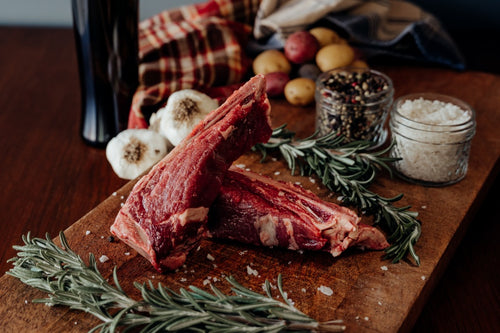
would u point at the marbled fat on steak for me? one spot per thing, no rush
(165, 215)
(259, 210)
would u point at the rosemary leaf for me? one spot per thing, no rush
(349, 169)
(62, 274)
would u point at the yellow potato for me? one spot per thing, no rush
(359, 64)
(334, 56)
(271, 61)
(300, 91)
(325, 36)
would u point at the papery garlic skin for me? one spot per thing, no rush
(133, 151)
(183, 111)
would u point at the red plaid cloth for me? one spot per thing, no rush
(198, 46)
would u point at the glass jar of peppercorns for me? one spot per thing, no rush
(353, 102)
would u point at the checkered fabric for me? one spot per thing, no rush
(204, 46)
(198, 46)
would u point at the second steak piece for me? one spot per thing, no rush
(256, 209)
(165, 215)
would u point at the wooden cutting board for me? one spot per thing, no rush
(369, 293)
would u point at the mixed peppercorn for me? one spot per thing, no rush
(353, 103)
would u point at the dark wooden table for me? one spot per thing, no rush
(50, 178)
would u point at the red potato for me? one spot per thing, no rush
(275, 83)
(301, 47)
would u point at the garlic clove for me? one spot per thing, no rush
(183, 111)
(133, 151)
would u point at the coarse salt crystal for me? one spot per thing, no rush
(127, 253)
(87, 232)
(103, 258)
(326, 290)
(241, 166)
(384, 268)
(433, 112)
(251, 271)
(432, 139)
(210, 257)
(277, 173)
(312, 180)
(114, 194)
(423, 277)
(303, 290)
(366, 318)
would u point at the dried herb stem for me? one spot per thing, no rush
(349, 169)
(66, 278)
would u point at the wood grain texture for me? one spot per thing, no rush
(50, 179)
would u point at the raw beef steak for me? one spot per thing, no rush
(166, 213)
(256, 209)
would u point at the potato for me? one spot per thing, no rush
(270, 61)
(325, 36)
(275, 83)
(334, 56)
(300, 91)
(300, 47)
(310, 71)
(358, 63)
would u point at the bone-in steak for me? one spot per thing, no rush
(259, 210)
(166, 213)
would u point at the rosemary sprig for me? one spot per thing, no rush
(348, 169)
(62, 274)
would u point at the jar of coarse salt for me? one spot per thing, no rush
(432, 135)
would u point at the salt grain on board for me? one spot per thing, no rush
(251, 271)
(103, 258)
(326, 290)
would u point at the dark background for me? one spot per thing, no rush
(474, 26)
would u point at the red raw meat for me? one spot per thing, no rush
(256, 209)
(166, 213)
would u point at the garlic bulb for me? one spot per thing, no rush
(183, 111)
(133, 151)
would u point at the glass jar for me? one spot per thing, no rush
(354, 102)
(434, 151)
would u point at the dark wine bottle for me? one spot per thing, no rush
(106, 33)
